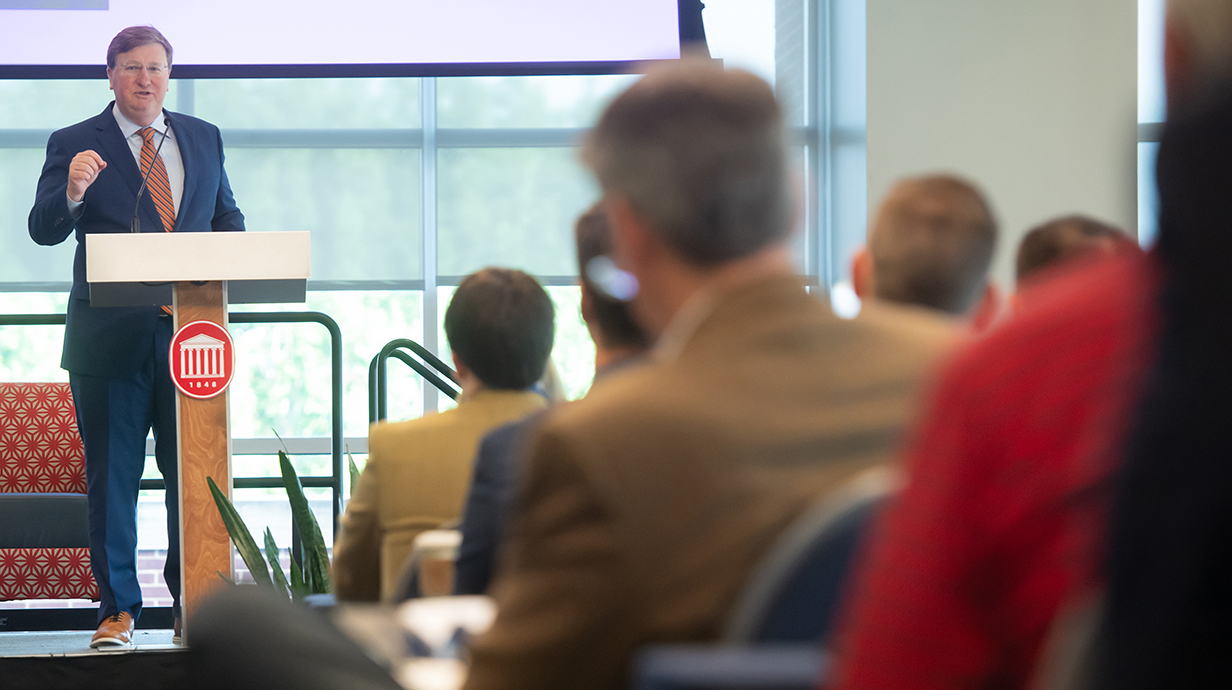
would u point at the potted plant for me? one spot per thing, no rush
(313, 577)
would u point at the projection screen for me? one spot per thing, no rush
(234, 38)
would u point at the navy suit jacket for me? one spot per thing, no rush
(115, 341)
(489, 502)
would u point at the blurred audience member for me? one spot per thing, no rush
(500, 327)
(998, 524)
(619, 342)
(1057, 241)
(252, 638)
(646, 505)
(1169, 603)
(930, 244)
(1003, 520)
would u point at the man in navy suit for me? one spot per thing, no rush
(117, 356)
(619, 343)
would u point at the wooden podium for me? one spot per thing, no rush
(199, 273)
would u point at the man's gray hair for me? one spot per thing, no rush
(699, 153)
(1208, 24)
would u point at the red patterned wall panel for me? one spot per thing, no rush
(41, 452)
(40, 449)
(46, 574)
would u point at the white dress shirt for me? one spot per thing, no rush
(170, 154)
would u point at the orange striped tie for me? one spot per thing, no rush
(157, 184)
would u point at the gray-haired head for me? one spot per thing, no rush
(698, 152)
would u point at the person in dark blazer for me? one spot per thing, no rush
(117, 356)
(619, 343)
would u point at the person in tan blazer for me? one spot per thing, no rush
(647, 504)
(500, 327)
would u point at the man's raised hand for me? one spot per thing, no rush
(82, 172)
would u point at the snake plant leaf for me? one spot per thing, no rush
(271, 555)
(352, 470)
(316, 558)
(240, 536)
(299, 588)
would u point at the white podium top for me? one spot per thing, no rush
(153, 257)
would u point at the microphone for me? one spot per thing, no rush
(135, 226)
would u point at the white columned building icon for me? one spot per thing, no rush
(201, 357)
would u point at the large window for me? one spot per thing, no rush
(1151, 112)
(407, 185)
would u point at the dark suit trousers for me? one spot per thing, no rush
(114, 416)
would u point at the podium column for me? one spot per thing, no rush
(204, 451)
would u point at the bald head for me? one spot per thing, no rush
(931, 243)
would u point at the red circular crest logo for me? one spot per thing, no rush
(202, 359)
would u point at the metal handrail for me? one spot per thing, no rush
(32, 319)
(313, 482)
(378, 375)
(335, 352)
(335, 341)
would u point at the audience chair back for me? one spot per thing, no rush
(729, 667)
(1075, 649)
(793, 595)
(44, 537)
(773, 639)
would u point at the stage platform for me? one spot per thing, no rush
(75, 642)
(51, 660)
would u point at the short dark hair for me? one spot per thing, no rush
(1061, 239)
(501, 324)
(699, 152)
(612, 318)
(932, 243)
(135, 37)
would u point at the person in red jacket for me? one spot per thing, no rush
(1003, 521)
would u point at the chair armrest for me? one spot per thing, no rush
(729, 667)
(320, 602)
(54, 521)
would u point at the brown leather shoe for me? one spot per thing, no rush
(115, 631)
